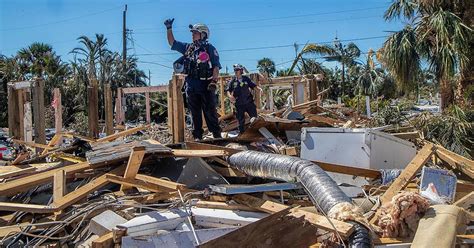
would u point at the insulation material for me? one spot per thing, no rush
(399, 218)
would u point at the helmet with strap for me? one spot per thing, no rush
(201, 28)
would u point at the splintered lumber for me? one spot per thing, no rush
(25, 183)
(408, 173)
(161, 182)
(85, 190)
(133, 165)
(122, 134)
(456, 161)
(198, 153)
(53, 142)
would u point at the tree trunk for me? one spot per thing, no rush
(343, 77)
(446, 92)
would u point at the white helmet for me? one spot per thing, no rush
(201, 28)
(238, 67)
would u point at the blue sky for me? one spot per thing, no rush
(243, 31)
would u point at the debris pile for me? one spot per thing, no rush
(303, 176)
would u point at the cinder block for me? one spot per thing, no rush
(104, 222)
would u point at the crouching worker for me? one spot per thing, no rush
(239, 94)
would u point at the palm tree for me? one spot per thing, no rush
(435, 34)
(344, 54)
(266, 66)
(93, 53)
(368, 80)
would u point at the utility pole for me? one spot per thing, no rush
(124, 38)
(149, 78)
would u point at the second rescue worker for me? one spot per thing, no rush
(200, 61)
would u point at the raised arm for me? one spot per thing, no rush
(169, 31)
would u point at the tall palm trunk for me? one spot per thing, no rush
(446, 93)
(343, 77)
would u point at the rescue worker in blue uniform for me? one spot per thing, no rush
(239, 93)
(200, 63)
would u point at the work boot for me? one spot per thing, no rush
(217, 135)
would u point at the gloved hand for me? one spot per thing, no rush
(169, 23)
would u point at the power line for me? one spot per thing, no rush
(284, 17)
(60, 21)
(273, 25)
(276, 46)
(155, 63)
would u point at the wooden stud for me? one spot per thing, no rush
(93, 107)
(59, 185)
(222, 97)
(27, 122)
(148, 89)
(118, 108)
(109, 111)
(21, 113)
(133, 165)
(58, 113)
(456, 161)
(161, 182)
(39, 112)
(147, 107)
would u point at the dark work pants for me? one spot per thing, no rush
(199, 102)
(251, 110)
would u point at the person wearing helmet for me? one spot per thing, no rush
(239, 93)
(200, 63)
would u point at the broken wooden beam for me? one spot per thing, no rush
(133, 165)
(122, 134)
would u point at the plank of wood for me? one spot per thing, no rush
(343, 228)
(133, 165)
(133, 182)
(109, 111)
(348, 170)
(204, 146)
(198, 153)
(20, 158)
(223, 205)
(104, 241)
(85, 190)
(53, 142)
(30, 208)
(259, 204)
(407, 135)
(25, 183)
(456, 161)
(59, 185)
(17, 172)
(466, 202)
(161, 182)
(122, 134)
(149, 89)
